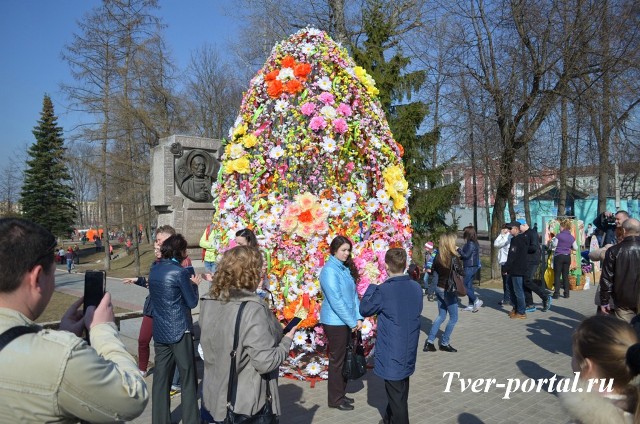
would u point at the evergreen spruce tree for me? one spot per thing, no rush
(429, 199)
(46, 196)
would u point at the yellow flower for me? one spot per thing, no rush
(399, 202)
(242, 165)
(395, 185)
(239, 130)
(249, 140)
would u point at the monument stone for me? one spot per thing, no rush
(182, 171)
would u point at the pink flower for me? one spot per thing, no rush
(350, 166)
(340, 126)
(326, 98)
(344, 109)
(308, 108)
(317, 123)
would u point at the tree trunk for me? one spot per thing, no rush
(564, 154)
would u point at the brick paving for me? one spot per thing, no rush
(490, 345)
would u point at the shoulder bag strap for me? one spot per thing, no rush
(232, 386)
(14, 332)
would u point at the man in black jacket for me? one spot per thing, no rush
(533, 261)
(516, 270)
(620, 278)
(607, 223)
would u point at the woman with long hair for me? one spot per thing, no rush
(605, 349)
(261, 345)
(339, 315)
(246, 237)
(447, 300)
(470, 255)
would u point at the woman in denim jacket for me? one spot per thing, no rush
(339, 315)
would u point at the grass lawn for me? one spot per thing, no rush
(59, 304)
(122, 265)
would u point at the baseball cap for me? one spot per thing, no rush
(428, 245)
(513, 224)
(521, 221)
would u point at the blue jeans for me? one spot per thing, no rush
(506, 297)
(210, 267)
(517, 292)
(469, 273)
(430, 282)
(447, 302)
(69, 264)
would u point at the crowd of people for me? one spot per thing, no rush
(242, 341)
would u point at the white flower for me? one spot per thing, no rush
(313, 368)
(382, 196)
(349, 211)
(270, 222)
(285, 74)
(236, 150)
(380, 245)
(372, 205)
(292, 295)
(366, 327)
(324, 83)
(300, 338)
(328, 144)
(348, 198)
(362, 187)
(311, 289)
(306, 48)
(328, 112)
(277, 209)
(375, 142)
(276, 152)
(314, 32)
(272, 197)
(335, 209)
(230, 203)
(281, 105)
(325, 204)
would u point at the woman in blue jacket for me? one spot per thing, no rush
(470, 255)
(339, 315)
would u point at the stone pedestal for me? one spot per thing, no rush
(182, 169)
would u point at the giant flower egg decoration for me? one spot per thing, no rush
(309, 157)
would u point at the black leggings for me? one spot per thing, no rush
(561, 265)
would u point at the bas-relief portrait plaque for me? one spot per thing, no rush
(195, 171)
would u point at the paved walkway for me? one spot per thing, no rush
(490, 346)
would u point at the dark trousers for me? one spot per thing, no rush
(338, 337)
(561, 264)
(397, 397)
(144, 338)
(531, 287)
(168, 356)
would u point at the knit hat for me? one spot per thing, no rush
(428, 245)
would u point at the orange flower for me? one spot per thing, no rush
(288, 62)
(274, 88)
(272, 75)
(301, 70)
(305, 217)
(293, 86)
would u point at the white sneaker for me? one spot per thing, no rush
(468, 308)
(476, 305)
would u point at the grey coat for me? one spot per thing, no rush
(261, 350)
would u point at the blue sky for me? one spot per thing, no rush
(33, 34)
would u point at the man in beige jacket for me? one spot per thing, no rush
(49, 375)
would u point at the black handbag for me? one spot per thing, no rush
(265, 415)
(455, 284)
(355, 363)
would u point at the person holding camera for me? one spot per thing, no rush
(55, 376)
(607, 223)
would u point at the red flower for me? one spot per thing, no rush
(293, 86)
(301, 70)
(288, 62)
(272, 75)
(305, 217)
(274, 88)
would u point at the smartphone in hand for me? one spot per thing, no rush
(94, 288)
(295, 321)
